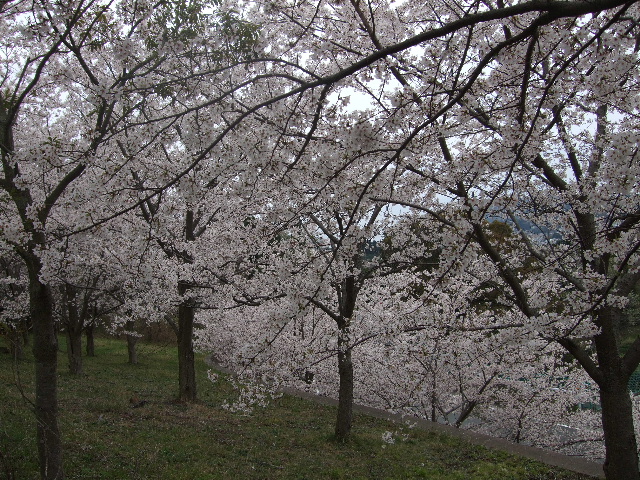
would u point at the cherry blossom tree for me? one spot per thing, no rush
(323, 265)
(74, 78)
(35, 177)
(459, 360)
(341, 273)
(517, 118)
(178, 217)
(186, 228)
(554, 157)
(85, 288)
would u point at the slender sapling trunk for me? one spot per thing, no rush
(132, 340)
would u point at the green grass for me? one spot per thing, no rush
(105, 438)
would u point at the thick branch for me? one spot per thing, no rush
(51, 199)
(583, 359)
(506, 272)
(324, 308)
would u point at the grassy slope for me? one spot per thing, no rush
(105, 438)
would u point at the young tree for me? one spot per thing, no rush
(81, 300)
(319, 269)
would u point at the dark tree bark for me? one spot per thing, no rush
(26, 324)
(621, 458)
(132, 340)
(15, 339)
(347, 295)
(186, 357)
(344, 419)
(74, 316)
(7, 467)
(45, 352)
(186, 314)
(73, 326)
(74, 352)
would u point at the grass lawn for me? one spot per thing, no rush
(105, 438)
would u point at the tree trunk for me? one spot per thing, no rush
(91, 346)
(621, 457)
(74, 351)
(186, 357)
(7, 467)
(345, 396)
(45, 352)
(132, 340)
(347, 295)
(186, 314)
(26, 325)
(434, 417)
(73, 322)
(16, 342)
(621, 461)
